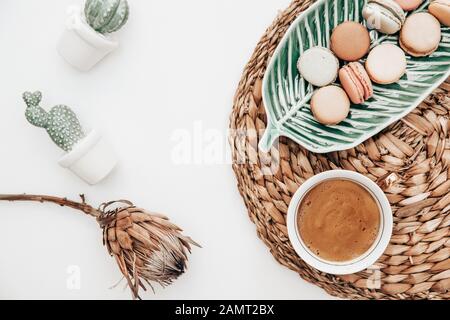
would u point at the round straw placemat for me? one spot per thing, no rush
(410, 160)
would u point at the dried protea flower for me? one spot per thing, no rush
(148, 248)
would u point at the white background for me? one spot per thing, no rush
(177, 69)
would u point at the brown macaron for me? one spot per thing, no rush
(330, 105)
(350, 41)
(441, 10)
(421, 34)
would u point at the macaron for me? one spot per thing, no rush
(319, 66)
(421, 34)
(409, 5)
(386, 63)
(356, 82)
(350, 41)
(330, 105)
(386, 16)
(441, 10)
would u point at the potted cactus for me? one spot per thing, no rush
(87, 37)
(86, 155)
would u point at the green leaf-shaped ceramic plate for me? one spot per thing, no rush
(287, 95)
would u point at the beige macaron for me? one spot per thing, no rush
(421, 34)
(330, 105)
(386, 64)
(409, 5)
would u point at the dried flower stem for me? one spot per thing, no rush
(63, 202)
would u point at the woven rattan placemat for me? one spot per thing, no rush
(411, 159)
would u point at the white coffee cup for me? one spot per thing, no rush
(368, 258)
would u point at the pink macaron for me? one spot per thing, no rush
(409, 5)
(356, 82)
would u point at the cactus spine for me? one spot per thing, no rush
(106, 16)
(60, 122)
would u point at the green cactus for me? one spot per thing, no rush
(60, 122)
(106, 16)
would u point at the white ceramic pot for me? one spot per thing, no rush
(360, 263)
(80, 45)
(91, 159)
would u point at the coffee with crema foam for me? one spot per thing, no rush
(339, 220)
